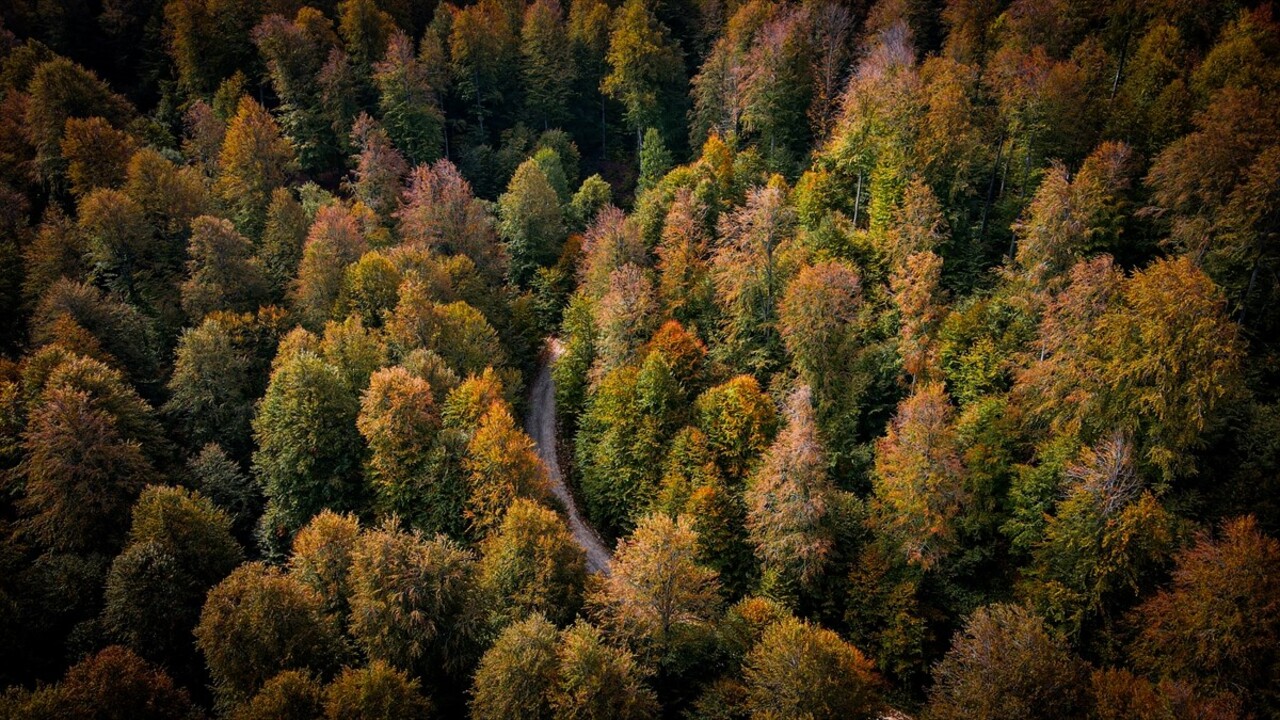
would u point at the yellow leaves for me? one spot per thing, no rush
(502, 466)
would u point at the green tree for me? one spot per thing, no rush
(598, 681)
(409, 90)
(532, 565)
(413, 603)
(295, 52)
(646, 68)
(655, 160)
(308, 455)
(220, 369)
(739, 421)
(180, 545)
(750, 270)
(258, 622)
(547, 65)
(531, 220)
(219, 478)
(518, 672)
(59, 90)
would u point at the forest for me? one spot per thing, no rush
(639, 359)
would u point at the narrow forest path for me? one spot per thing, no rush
(541, 426)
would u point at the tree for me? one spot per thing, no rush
(917, 293)
(1005, 664)
(657, 596)
(547, 65)
(1154, 356)
(610, 242)
(787, 500)
(409, 90)
(518, 672)
(365, 30)
(283, 236)
(334, 242)
(219, 478)
(412, 602)
(799, 670)
(456, 331)
(739, 421)
(258, 622)
(598, 681)
(532, 566)
(440, 212)
(1119, 694)
(684, 261)
(750, 272)
(483, 47)
(291, 695)
(645, 66)
(777, 87)
(321, 559)
(60, 90)
(255, 160)
(180, 545)
(375, 692)
(220, 369)
(308, 455)
(919, 477)
(222, 274)
(121, 242)
(295, 53)
(655, 160)
(625, 316)
(816, 320)
(113, 684)
(96, 154)
(531, 220)
(502, 467)
(1072, 218)
(1214, 627)
(379, 168)
(1108, 537)
(82, 470)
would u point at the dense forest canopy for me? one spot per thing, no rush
(906, 358)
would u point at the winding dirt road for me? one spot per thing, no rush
(541, 426)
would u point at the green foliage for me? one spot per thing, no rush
(532, 566)
(309, 453)
(412, 602)
(258, 622)
(531, 220)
